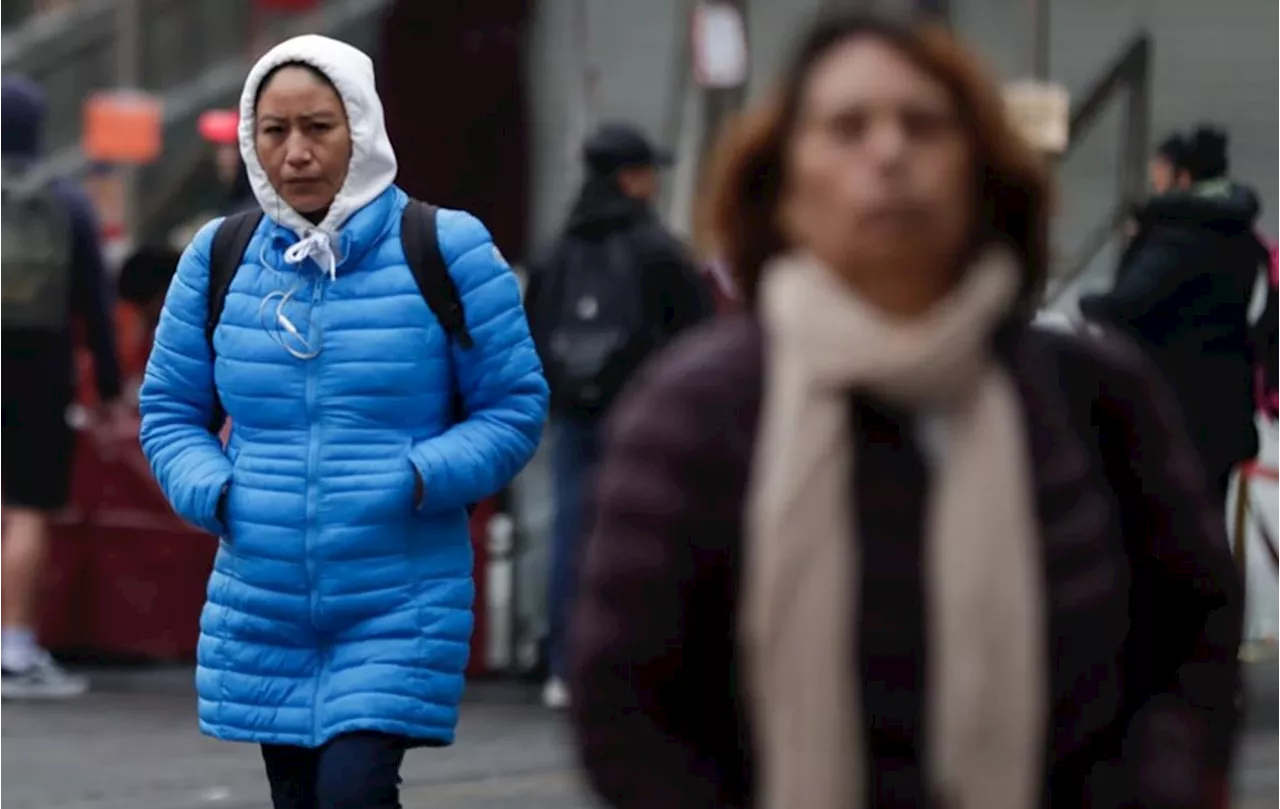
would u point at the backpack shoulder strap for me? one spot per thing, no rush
(229, 243)
(419, 239)
(421, 245)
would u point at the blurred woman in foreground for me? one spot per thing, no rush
(876, 543)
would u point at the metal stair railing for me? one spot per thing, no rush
(94, 45)
(44, 33)
(1130, 73)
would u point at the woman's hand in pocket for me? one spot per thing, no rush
(419, 491)
(220, 511)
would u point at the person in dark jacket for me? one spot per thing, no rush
(613, 254)
(39, 386)
(1183, 291)
(877, 542)
(145, 276)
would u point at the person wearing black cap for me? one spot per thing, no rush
(1183, 291)
(613, 288)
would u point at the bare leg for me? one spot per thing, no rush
(22, 558)
(29, 672)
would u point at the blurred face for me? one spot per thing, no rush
(1164, 177)
(303, 140)
(640, 182)
(1161, 174)
(879, 174)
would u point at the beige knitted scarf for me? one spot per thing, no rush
(987, 681)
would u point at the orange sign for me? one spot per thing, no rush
(122, 127)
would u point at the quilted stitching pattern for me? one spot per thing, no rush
(334, 606)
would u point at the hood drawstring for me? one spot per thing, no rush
(317, 245)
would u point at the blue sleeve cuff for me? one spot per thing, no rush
(439, 487)
(208, 492)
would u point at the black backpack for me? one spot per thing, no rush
(421, 251)
(592, 325)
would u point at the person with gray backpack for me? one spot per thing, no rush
(52, 275)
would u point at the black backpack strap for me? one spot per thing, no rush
(422, 251)
(229, 243)
(421, 247)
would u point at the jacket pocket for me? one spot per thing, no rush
(223, 510)
(417, 491)
(411, 492)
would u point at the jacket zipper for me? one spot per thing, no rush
(313, 495)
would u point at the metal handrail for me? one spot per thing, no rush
(1130, 72)
(51, 34)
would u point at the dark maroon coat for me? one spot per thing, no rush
(1145, 607)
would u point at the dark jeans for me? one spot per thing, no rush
(354, 771)
(573, 460)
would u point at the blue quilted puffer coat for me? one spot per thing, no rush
(336, 604)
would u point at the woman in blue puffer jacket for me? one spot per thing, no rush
(339, 617)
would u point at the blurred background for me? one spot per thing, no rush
(488, 102)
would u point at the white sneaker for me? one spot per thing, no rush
(44, 679)
(555, 694)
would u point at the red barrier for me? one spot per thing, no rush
(478, 663)
(64, 590)
(127, 577)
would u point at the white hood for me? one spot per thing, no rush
(373, 162)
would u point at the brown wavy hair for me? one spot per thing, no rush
(737, 218)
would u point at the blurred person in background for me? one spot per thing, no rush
(339, 612)
(877, 542)
(53, 275)
(1183, 291)
(614, 287)
(144, 278)
(220, 129)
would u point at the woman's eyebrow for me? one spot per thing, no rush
(309, 115)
